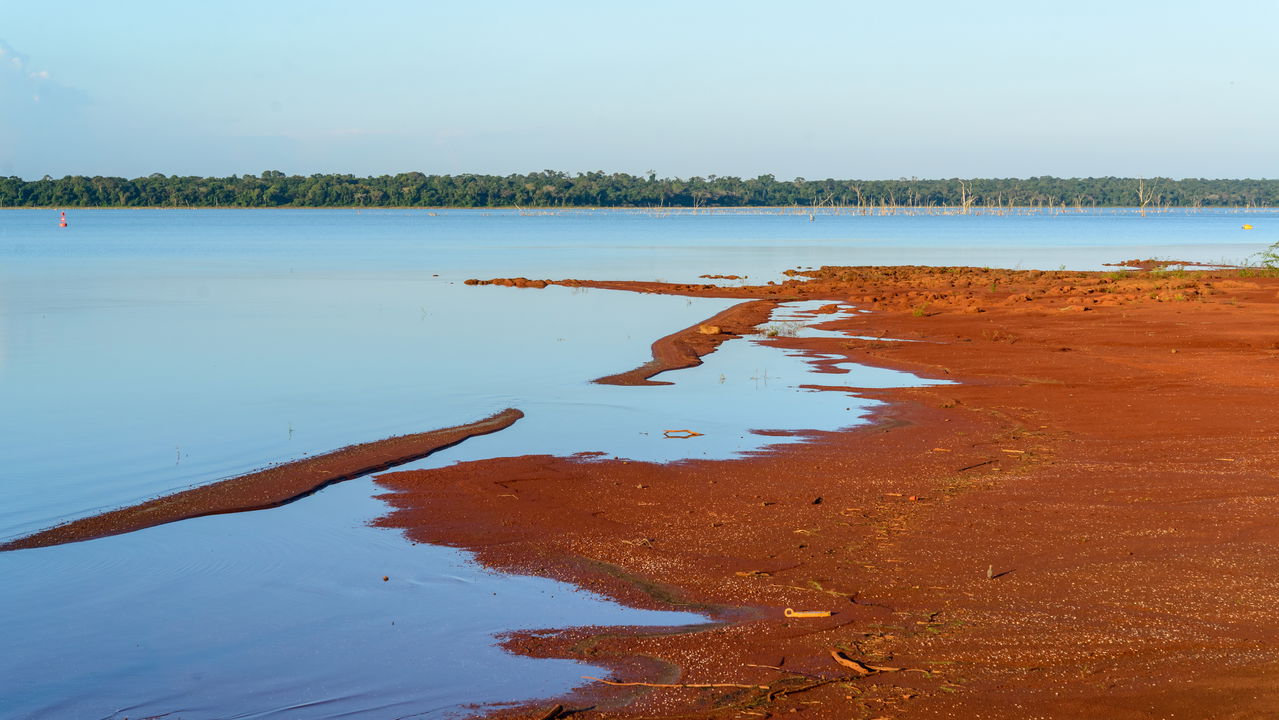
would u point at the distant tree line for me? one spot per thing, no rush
(551, 189)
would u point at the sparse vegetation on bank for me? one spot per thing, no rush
(1269, 258)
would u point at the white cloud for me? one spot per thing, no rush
(39, 117)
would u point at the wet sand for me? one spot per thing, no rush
(265, 488)
(1083, 527)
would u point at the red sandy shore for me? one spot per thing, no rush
(266, 488)
(1083, 527)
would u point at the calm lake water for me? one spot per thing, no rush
(143, 351)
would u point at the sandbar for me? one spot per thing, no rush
(1081, 526)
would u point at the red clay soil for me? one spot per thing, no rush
(684, 349)
(1083, 526)
(266, 488)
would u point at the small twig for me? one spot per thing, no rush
(855, 599)
(832, 593)
(675, 685)
(553, 713)
(970, 467)
(803, 688)
(858, 666)
(682, 434)
(788, 672)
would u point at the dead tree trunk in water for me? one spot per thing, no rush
(966, 200)
(1145, 195)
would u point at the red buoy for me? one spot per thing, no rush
(62, 221)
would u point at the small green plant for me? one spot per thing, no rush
(919, 310)
(1269, 258)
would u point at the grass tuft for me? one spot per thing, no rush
(781, 329)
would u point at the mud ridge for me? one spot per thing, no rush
(685, 348)
(265, 488)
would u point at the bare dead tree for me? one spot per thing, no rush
(966, 199)
(1145, 195)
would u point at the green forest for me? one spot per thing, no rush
(551, 189)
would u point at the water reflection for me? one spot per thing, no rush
(745, 385)
(276, 614)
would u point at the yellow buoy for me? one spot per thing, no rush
(1247, 227)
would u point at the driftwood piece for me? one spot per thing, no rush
(858, 666)
(675, 685)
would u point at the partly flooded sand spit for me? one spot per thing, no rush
(684, 349)
(1083, 527)
(266, 488)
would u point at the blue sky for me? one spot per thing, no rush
(812, 89)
